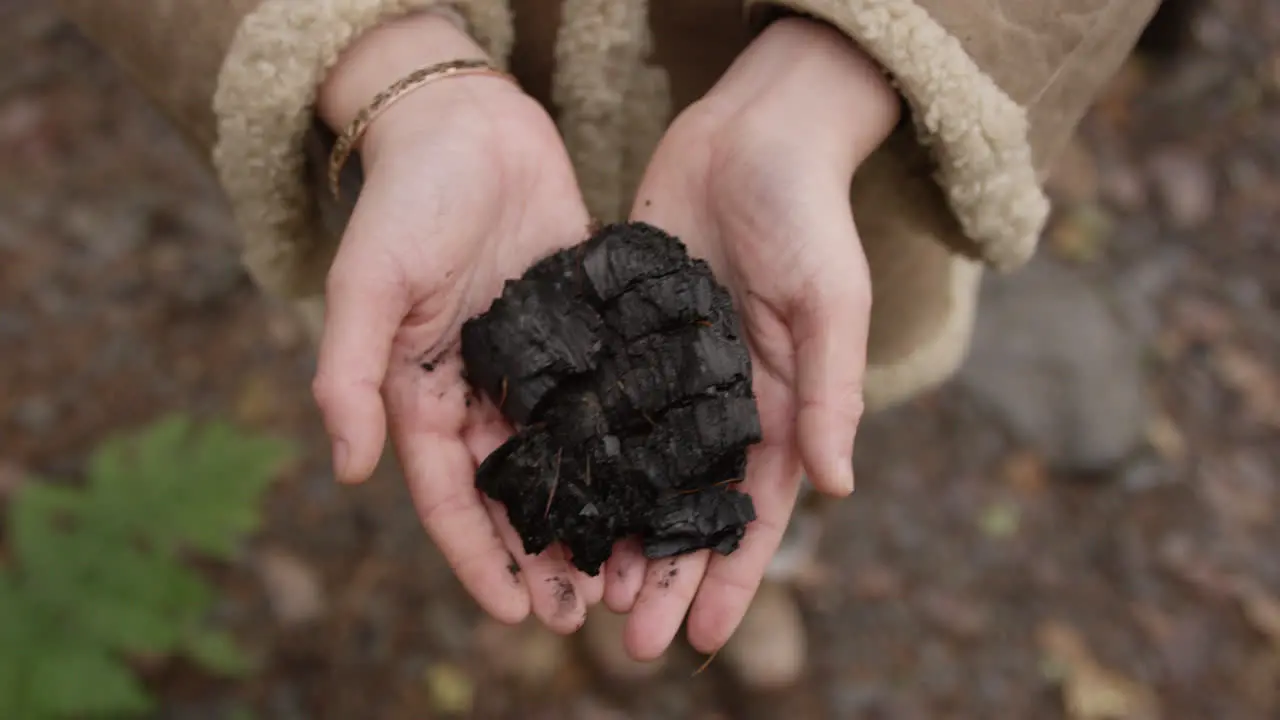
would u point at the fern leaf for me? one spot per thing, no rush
(99, 572)
(185, 486)
(79, 680)
(217, 652)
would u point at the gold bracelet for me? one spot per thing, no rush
(351, 135)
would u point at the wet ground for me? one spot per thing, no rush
(968, 578)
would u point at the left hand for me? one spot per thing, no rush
(755, 178)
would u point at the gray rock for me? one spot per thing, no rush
(1056, 364)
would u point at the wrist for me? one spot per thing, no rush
(388, 53)
(815, 82)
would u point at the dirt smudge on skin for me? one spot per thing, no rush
(565, 593)
(668, 575)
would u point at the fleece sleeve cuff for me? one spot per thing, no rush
(265, 104)
(976, 134)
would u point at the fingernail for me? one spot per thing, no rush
(844, 471)
(340, 454)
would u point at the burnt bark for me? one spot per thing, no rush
(621, 364)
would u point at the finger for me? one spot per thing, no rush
(829, 323)
(669, 587)
(624, 576)
(555, 597)
(439, 472)
(364, 306)
(590, 587)
(485, 433)
(773, 481)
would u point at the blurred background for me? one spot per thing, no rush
(1085, 524)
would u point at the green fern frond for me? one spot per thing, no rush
(99, 574)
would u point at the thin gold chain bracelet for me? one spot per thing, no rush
(422, 76)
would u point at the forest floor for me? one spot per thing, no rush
(965, 579)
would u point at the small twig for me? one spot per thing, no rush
(706, 662)
(643, 414)
(503, 400)
(726, 481)
(555, 483)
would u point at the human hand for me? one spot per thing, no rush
(467, 183)
(755, 178)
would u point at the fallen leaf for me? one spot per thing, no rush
(258, 400)
(1000, 520)
(1026, 472)
(1261, 608)
(1166, 438)
(451, 689)
(1090, 691)
(1080, 235)
(292, 586)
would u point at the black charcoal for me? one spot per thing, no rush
(621, 363)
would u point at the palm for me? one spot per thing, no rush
(431, 241)
(762, 234)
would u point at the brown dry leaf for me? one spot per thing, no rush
(451, 689)
(1090, 691)
(1261, 608)
(1025, 472)
(258, 400)
(1252, 379)
(1164, 435)
(1081, 234)
(293, 587)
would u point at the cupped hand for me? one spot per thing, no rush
(755, 178)
(466, 184)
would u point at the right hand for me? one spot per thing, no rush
(467, 184)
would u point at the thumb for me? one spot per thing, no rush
(829, 324)
(365, 302)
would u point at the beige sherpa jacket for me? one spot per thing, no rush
(994, 88)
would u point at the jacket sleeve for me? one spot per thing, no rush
(240, 78)
(995, 88)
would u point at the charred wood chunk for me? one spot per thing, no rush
(714, 518)
(621, 363)
(533, 337)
